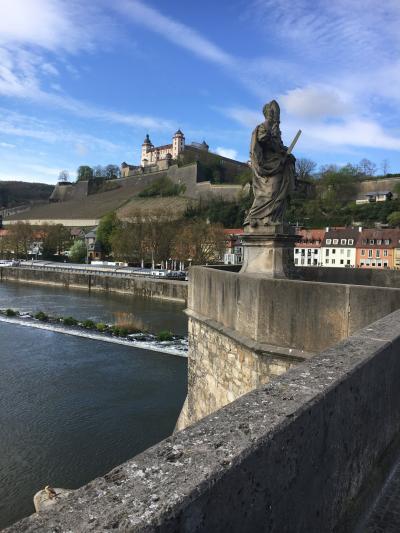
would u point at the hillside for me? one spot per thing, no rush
(15, 193)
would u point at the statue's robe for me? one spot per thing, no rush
(273, 177)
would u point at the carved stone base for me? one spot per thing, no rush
(269, 252)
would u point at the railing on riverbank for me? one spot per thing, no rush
(105, 271)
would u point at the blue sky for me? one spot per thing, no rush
(83, 82)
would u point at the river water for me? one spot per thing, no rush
(73, 408)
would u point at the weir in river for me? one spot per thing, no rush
(72, 408)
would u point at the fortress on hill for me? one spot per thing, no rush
(158, 158)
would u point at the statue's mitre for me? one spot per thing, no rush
(272, 109)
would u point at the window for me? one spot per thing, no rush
(302, 260)
(385, 253)
(379, 241)
(364, 241)
(315, 262)
(372, 241)
(309, 261)
(362, 252)
(348, 261)
(369, 253)
(385, 263)
(327, 261)
(333, 250)
(378, 254)
(329, 241)
(296, 251)
(315, 251)
(335, 241)
(342, 261)
(343, 241)
(327, 252)
(387, 241)
(348, 253)
(303, 251)
(341, 251)
(333, 261)
(379, 263)
(350, 242)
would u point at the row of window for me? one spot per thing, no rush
(376, 241)
(350, 242)
(341, 251)
(340, 262)
(377, 253)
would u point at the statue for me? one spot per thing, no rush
(273, 171)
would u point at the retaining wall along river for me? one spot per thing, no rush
(108, 281)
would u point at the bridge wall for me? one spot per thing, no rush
(293, 455)
(246, 329)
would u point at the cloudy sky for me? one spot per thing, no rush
(83, 82)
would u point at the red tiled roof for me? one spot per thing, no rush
(379, 234)
(234, 231)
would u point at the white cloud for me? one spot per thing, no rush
(24, 126)
(315, 102)
(7, 145)
(227, 152)
(176, 32)
(54, 25)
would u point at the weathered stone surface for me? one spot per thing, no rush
(307, 316)
(292, 455)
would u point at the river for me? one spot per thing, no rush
(73, 408)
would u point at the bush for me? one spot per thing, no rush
(40, 315)
(162, 187)
(89, 324)
(11, 312)
(101, 327)
(70, 321)
(165, 336)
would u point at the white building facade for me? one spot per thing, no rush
(151, 155)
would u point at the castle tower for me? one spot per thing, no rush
(146, 147)
(178, 144)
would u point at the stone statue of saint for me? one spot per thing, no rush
(273, 171)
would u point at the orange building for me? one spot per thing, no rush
(377, 248)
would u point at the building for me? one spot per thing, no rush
(378, 249)
(378, 196)
(151, 154)
(339, 247)
(307, 251)
(234, 247)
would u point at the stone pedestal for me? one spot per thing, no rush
(268, 251)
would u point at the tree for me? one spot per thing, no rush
(105, 229)
(305, 167)
(84, 173)
(63, 176)
(385, 166)
(394, 219)
(367, 167)
(56, 239)
(78, 252)
(112, 172)
(20, 238)
(199, 242)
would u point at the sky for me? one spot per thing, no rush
(84, 82)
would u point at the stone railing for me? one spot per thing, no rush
(293, 455)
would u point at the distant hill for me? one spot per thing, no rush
(15, 193)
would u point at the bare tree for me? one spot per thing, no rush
(367, 167)
(63, 176)
(305, 167)
(385, 166)
(199, 242)
(20, 238)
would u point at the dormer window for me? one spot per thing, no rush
(350, 242)
(372, 241)
(329, 241)
(343, 241)
(387, 241)
(379, 241)
(335, 241)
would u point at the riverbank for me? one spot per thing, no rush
(176, 346)
(163, 289)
